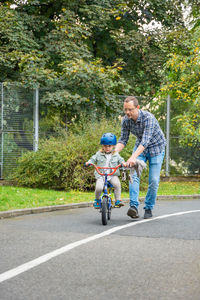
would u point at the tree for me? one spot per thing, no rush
(86, 52)
(183, 84)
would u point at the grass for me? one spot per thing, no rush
(12, 197)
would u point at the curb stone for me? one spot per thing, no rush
(27, 211)
(36, 210)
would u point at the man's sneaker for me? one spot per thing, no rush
(119, 203)
(96, 203)
(133, 212)
(148, 214)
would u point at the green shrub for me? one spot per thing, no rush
(58, 163)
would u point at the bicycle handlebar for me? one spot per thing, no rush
(102, 174)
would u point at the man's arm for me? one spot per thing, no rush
(131, 161)
(119, 147)
(125, 132)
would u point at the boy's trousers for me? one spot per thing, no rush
(114, 180)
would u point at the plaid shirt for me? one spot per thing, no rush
(147, 130)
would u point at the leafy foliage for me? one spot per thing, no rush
(83, 54)
(183, 84)
(83, 50)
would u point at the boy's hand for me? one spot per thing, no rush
(87, 164)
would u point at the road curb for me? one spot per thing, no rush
(27, 211)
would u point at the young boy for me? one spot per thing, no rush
(107, 157)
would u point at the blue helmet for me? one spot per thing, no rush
(108, 139)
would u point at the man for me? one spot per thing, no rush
(150, 145)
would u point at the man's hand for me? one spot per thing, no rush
(131, 161)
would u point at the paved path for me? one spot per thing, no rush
(157, 259)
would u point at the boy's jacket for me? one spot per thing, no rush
(100, 159)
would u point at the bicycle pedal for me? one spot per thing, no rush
(119, 205)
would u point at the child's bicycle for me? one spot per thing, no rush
(106, 202)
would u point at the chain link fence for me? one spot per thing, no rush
(17, 126)
(22, 126)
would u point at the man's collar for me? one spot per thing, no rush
(139, 116)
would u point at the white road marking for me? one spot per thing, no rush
(44, 258)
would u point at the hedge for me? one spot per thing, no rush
(58, 164)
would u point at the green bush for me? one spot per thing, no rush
(58, 164)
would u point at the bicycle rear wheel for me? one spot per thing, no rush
(104, 210)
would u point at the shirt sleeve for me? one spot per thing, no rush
(93, 159)
(121, 159)
(125, 132)
(149, 125)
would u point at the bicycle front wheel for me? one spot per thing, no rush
(104, 210)
(109, 205)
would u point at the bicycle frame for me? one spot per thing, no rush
(105, 205)
(105, 192)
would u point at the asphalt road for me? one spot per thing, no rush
(158, 259)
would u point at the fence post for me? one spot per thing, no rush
(36, 120)
(2, 135)
(168, 136)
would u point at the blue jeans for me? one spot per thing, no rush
(155, 164)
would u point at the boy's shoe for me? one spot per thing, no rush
(148, 214)
(133, 212)
(96, 203)
(119, 203)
